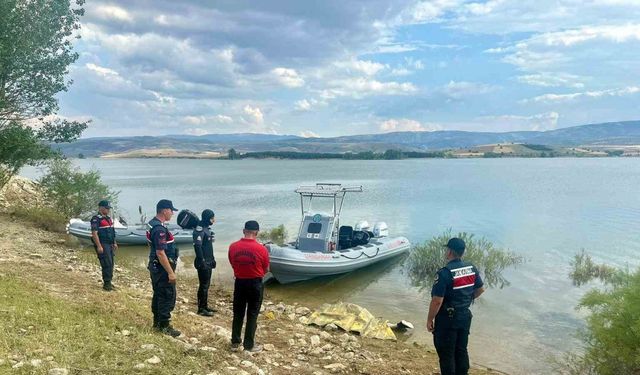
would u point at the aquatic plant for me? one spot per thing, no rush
(426, 259)
(277, 235)
(611, 337)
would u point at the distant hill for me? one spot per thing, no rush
(614, 133)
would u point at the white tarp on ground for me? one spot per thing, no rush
(352, 318)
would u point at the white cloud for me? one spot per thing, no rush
(196, 131)
(288, 77)
(303, 105)
(539, 122)
(611, 33)
(308, 134)
(458, 90)
(100, 70)
(362, 87)
(369, 68)
(254, 115)
(207, 120)
(547, 79)
(112, 12)
(428, 11)
(559, 98)
(407, 125)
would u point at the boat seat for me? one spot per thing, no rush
(345, 237)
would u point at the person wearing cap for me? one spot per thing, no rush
(163, 257)
(103, 236)
(455, 288)
(250, 262)
(205, 261)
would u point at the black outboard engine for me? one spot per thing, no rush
(187, 219)
(360, 237)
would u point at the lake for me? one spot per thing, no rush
(545, 209)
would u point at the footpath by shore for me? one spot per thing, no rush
(55, 319)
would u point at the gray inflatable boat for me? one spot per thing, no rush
(126, 234)
(323, 247)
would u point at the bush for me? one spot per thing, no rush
(425, 260)
(72, 192)
(277, 235)
(612, 334)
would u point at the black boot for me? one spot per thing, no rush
(167, 329)
(107, 286)
(210, 310)
(204, 311)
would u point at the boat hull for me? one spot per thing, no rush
(126, 235)
(290, 265)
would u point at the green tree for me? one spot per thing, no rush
(72, 192)
(35, 53)
(233, 154)
(426, 259)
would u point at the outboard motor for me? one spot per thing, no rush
(362, 226)
(381, 229)
(187, 219)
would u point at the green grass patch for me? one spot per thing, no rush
(86, 337)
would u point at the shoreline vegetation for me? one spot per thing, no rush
(57, 320)
(501, 150)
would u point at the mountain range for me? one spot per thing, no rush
(604, 134)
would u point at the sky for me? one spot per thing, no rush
(338, 67)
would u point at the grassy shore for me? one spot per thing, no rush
(55, 319)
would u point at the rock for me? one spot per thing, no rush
(292, 342)
(280, 307)
(139, 366)
(35, 256)
(184, 300)
(290, 310)
(208, 349)
(269, 347)
(303, 311)
(331, 327)
(315, 340)
(344, 337)
(291, 316)
(147, 347)
(349, 355)
(49, 359)
(335, 367)
(58, 371)
(125, 332)
(18, 365)
(154, 360)
(325, 335)
(304, 320)
(69, 268)
(36, 362)
(246, 363)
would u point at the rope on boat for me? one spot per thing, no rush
(363, 253)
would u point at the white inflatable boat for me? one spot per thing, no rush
(325, 248)
(125, 234)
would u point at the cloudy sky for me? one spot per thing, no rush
(338, 67)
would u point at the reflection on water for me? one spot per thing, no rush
(544, 209)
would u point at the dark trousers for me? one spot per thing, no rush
(451, 345)
(204, 278)
(106, 262)
(247, 297)
(164, 294)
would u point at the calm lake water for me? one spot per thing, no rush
(544, 209)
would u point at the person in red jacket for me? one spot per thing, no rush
(250, 262)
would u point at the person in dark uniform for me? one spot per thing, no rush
(163, 257)
(103, 236)
(456, 286)
(205, 261)
(250, 262)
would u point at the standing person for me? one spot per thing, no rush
(103, 236)
(456, 286)
(163, 257)
(250, 262)
(205, 261)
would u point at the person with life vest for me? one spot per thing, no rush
(455, 288)
(103, 236)
(205, 261)
(163, 257)
(250, 262)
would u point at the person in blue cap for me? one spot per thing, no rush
(455, 288)
(163, 257)
(205, 261)
(103, 236)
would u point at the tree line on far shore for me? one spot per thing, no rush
(365, 155)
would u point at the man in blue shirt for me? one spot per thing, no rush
(456, 286)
